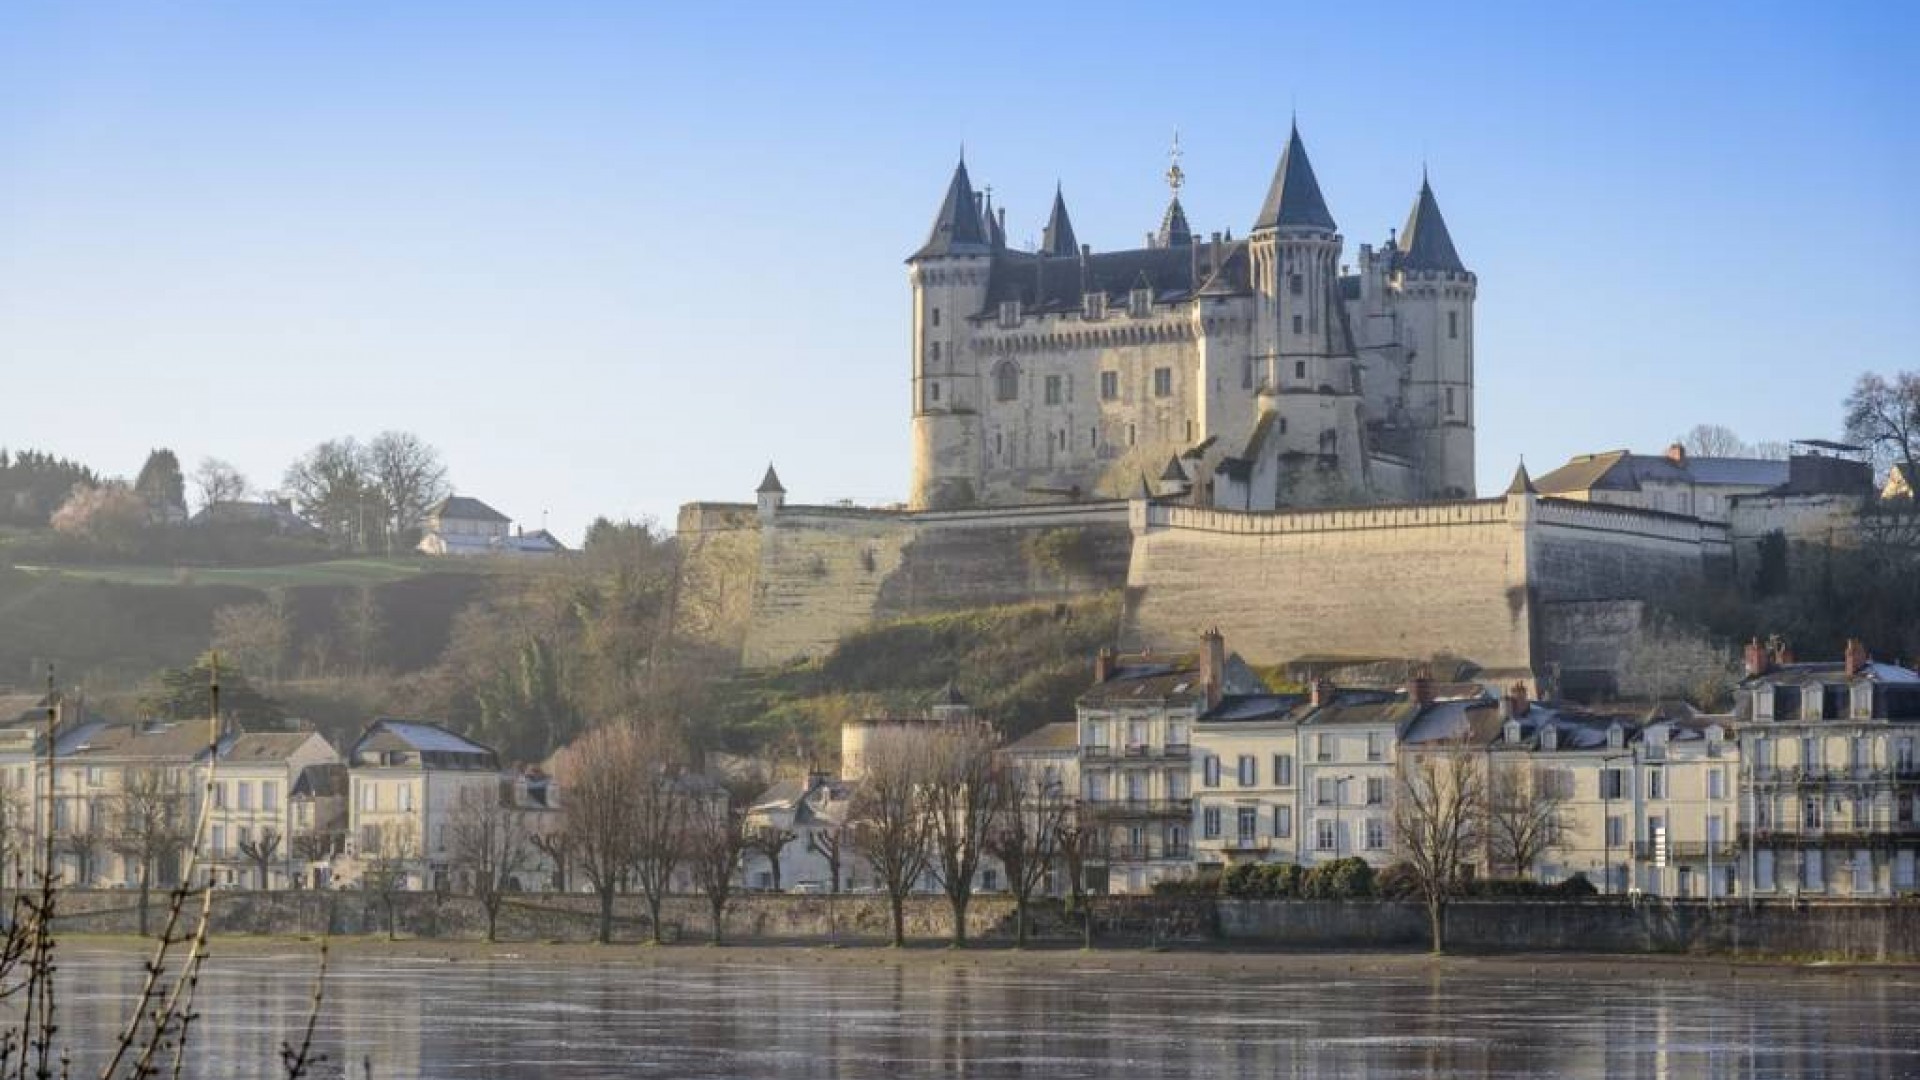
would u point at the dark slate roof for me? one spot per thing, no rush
(1522, 483)
(1425, 243)
(1047, 739)
(770, 483)
(1831, 672)
(1619, 470)
(1253, 708)
(1294, 199)
(1174, 230)
(1043, 283)
(1057, 239)
(990, 222)
(465, 508)
(258, 746)
(1173, 471)
(327, 779)
(956, 228)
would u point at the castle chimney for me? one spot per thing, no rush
(1677, 454)
(1857, 657)
(1213, 665)
(1758, 660)
(1420, 687)
(1517, 704)
(1102, 665)
(1324, 692)
(1782, 653)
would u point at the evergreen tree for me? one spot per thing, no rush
(161, 485)
(182, 694)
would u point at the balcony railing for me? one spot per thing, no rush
(1791, 832)
(1149, 853)
(1115, 808)
(1683, 850)
(1806, 776)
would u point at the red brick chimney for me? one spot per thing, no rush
(1324, 692)
(1517, 703)
(1420, 687)
(1102, 665)
(1213, 665)
(1758, 660)
(1677, 454)
(1782, 652)
(1857, 657)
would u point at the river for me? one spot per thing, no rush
(762, 1014)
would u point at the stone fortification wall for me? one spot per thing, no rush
(1404, 581)
(772, 590)
(1586, 551)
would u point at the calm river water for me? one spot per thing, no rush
(511, 1018)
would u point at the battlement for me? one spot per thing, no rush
(1286, 522)
(1632, 521)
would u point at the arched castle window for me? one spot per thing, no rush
(1006, 382)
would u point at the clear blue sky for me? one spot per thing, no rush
(613, 257)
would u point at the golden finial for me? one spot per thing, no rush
(1175, 176)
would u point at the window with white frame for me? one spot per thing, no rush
(1246, 825)
(1210, 823)
(1249, 770)
(1096, 787)
(1862, 872)
(1283, 770)
(269, 795)
(1109, 386)
(1210, 771)
(1326, 791)
(1376, 834)
(1376, 790)
(1656, 782)
(1283, 821)
(1325, 836)
(1716, 783)
(1323, 746)
(1376, 746)
(243, 794)
(1813, 870)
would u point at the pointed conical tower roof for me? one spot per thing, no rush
(957, 229)
(1522, 483)
(990, 223)
(1294, 201)
(1425, 243)
(1058, 238)
(770, 483)
(1173, 471)
(1174, 231)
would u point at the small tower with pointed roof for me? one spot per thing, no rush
(1435, 296)
(949, 274)
(770, 495)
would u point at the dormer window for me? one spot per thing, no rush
(1812, 702)
(1513, 731)
(1140, 303)
(1763, 702)
(1862, 704)
(1009, 313)
(1549, 738)
(1093, 306)
(1006, 382)
(1616, 737)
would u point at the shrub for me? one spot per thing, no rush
(1341, 879)
(1577, 886)
(1396, 882)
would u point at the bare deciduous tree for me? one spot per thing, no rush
(1439, 822)
(1526, 815)
(1713, 440)
(1083, 843)
(387, 853)
(599, 774)
(255, 637)
(830, 843)
(334, 488)
(215, 482)
(362, 626)
(1026, 836)
(717, 837)
(153, 824)
(663, 799)
(491, 845)
(556, 843)
(768, 841)
(892, 828)
(261, 849)
(963, 801)
(410, 477)
(1883, 415)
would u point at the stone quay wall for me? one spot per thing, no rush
(1880, 932)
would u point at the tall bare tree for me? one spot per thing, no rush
(334, 488)
(362, 626)
(216, 482)
(890, 819)
(555, 843)
(491, 844)
(255, 637)
(1034, 808)
(261, 849)
(830, 842)
(599, 775)
(963, 800)
(662, 809)
(16, 831)
(1713, 440)
(1527, 814)
(410, 477)
(1083, 844)
(152, 825)
(1883, 415)
(716, 838)
(1439, 815)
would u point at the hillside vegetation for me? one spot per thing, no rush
(1020, 666)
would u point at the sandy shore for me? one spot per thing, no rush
(1063, 959)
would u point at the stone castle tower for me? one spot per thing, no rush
(1255, 374)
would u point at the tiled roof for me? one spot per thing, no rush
(465, 508)
(1047, 739)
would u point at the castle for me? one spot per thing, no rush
(1250, 374)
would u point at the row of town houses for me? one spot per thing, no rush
(286, 810)
(1808, 788)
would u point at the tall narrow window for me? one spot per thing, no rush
(1053, 389)
(1109, 385)
(1006, 382)
(1162, 382)
(1449, 401)
(936, 316)
(1299, 325)
(1453, 324)
(1295, 284)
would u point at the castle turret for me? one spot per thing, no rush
(1057, 238)
(1435, 295)
(1301, 339)
(771, 495)
(949, 276)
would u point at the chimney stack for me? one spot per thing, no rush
(1782, 652)
(1102, 665)
(1677, 454)
(1758, 660)
(1324, 692)
(1213, 665)
(1857, 657)
(1420, 687)
(1517, 703)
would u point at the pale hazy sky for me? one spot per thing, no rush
(613, 257)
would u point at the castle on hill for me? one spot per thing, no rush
(1252, 374)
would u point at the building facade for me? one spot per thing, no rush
(1265, 369)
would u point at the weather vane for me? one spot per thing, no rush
(1175, 177)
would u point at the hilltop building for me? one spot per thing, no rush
(1268, 371)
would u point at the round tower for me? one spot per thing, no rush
(949, 277)
(1433, 295)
